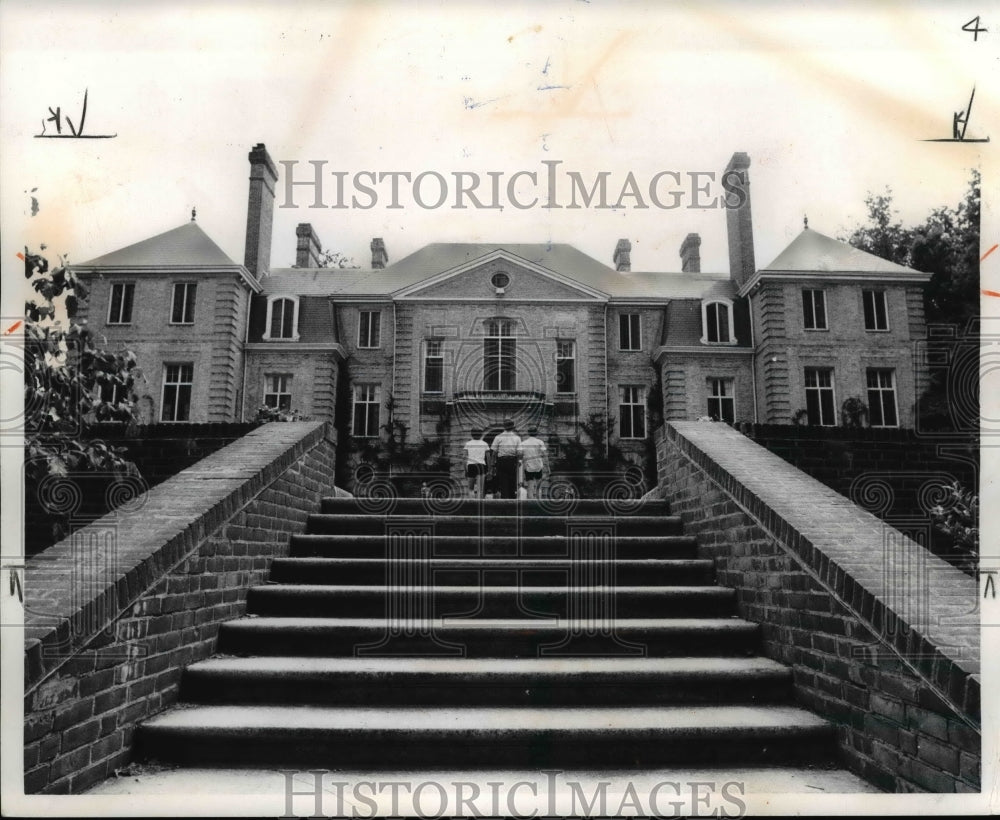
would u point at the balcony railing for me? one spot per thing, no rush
(499, 397)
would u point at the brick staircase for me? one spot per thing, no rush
(487, 635)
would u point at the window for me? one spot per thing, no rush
(630, 331)
(721, 403)
(500, 280)
(876, 314)
(565, 366)
(112, 393)
(177, 380)
(278, 391)
(282, 321)
(882, 398)
(717, 319)
(120, 308)
(182, 312)
(499, 356)
(631, 411)
(369, 328)
(814, 310)
(819, 396)
(366, 410)
(434, 366)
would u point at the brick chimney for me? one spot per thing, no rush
(623, 256)
(307, 246)
(380, 256)
(260, 211)
(691, 254)
(739, 225)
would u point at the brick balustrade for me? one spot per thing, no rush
(883, 636)
(114, 612)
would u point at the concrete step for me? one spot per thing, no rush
(333, 601)
(502, 525)
(486, 736)
(488, 638)
(477, 682)
(604, 508)
(264, 792)
(490, 571)
(436, 545)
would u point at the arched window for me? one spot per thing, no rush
(717, 322)
(282, 318)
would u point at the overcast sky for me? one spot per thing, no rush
(829, 104)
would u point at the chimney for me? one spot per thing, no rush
(307, 247)
(691, 254)
(260, 211)
(623, 256)
(379, 254)
(739, 227)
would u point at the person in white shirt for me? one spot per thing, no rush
(534, 455)
(475, 463)
(506, 450)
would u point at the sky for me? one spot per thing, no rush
(831, 103)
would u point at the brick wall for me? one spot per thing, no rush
(785, 348)
(158, 451)
(213, 344)
(113, 614)
(894, 474)
(882, 636)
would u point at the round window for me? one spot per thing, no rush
(500, 280)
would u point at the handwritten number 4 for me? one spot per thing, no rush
(974, 31)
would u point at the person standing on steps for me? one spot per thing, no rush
(506, 448)
(475, 462)
(535, 459)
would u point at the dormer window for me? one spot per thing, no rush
(282, 318)
(717, 322)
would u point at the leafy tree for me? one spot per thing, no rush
(335, 259)
(945, 244)
(69, 381)
(591, 460)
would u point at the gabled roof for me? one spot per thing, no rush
(811, 252)
(439, 257)
(186, 246)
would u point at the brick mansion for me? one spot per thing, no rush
(457, 335)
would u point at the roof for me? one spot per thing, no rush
(439, 257)
(310, 281)
(811, 251)
(186, 246)
(673, 285)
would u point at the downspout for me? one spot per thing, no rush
(753, 358)
(607, 387)
(393, 353)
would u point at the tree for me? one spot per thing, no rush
(335, 259)
(69, 382)
(946, 245)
